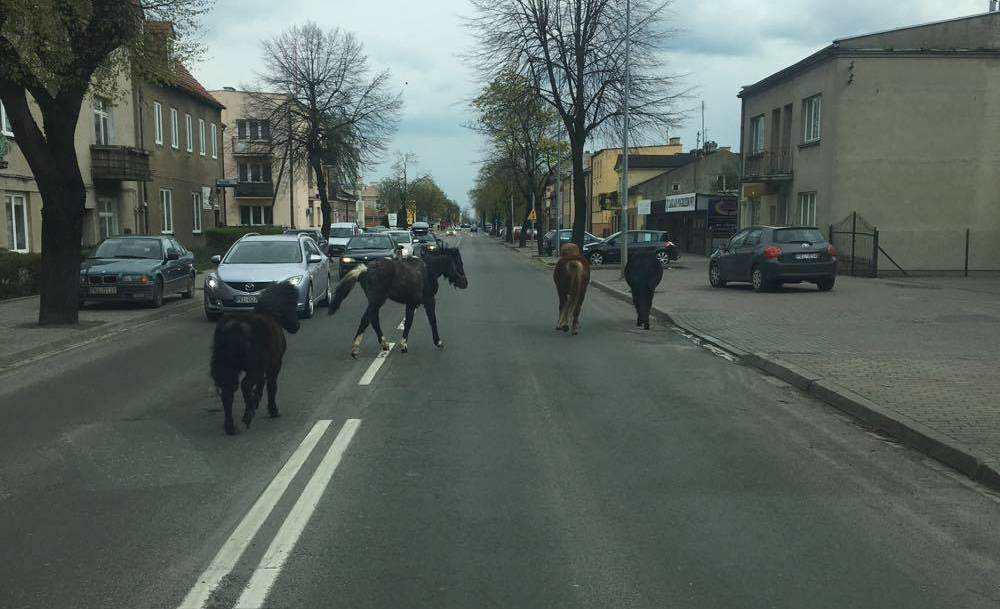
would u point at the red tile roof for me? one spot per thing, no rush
(187, 83)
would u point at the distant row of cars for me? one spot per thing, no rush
(608, 251)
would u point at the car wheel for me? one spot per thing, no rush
(596, 258)
(663, 258)
(189, 292)
(715, 277)
(310, 309)
(825, 285)
(157, 301)
(328, 295)
(757, 279)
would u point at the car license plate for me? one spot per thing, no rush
(812, 256)
(104, 291)
(246, 300)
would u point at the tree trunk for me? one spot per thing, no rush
(509, 236)
(324, 198)
(579, 192)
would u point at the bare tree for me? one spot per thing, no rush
(574, 50)
(54, 52)
(324, 106)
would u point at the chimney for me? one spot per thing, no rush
(159, 37)
(675, 141)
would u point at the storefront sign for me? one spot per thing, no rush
(643, 206)
(722, 207)
(681, 203)
(392, 220)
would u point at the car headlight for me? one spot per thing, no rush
(296, 280)
(83, 279)
(144, 279)
(212, 283)
(346, 260)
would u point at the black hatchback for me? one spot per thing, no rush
(365, 248)
(769, 256)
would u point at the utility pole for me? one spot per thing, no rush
(291, 173)
(557, 236)
(623, 197)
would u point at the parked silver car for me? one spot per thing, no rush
(255, 262)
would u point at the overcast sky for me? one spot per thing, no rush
(723, 45)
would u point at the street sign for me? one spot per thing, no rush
(411, 216)
(532, 216)
(393, 220)
(643, 206)
(225, 183)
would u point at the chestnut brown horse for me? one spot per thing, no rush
(571, 275)
(254, 344)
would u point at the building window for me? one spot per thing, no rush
(167, 209)
(675, 187)
(253, 130)
(102, 122)
(807, 209)
(812, 109)
(214, 133)
(188, 132)
(107, 216)
(196, 211)
(201, 137)
(757, 134)
(5, 127)
(254, 172)
(175, 129)
(17, 222)
(256, 215)
(157, 122)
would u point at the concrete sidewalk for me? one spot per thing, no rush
(917, 358)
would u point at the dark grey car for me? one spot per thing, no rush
(769, 256)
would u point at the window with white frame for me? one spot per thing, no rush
(253, 129)
(812, 110)
(102, 122)
(107, 216)
(5, 127)
(253, 172)
(189, 132)
(167, 209)
(256, 215)
(757, 134)
(202, 148)
(157, 123)
(214, 134)
(18, 236)
(175, 129)
(196, 212)
(807, 209)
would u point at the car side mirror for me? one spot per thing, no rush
(315, 259)
(173, 254)
(216, 259)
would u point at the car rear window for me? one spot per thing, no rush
(798, 235)
(370, 242)
(341, 232)
(264, 252)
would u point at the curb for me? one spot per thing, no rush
(911, 433)
(15, 360)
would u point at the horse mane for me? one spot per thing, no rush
(437, 254)
(279, 301)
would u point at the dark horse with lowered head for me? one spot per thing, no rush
(643, 272)
(253, 343)
(409, 281)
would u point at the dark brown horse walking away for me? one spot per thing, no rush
(253, 343)
(572, 274)
(409, 281)
(643, 273)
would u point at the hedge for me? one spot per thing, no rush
(218, 240)
(19, 274)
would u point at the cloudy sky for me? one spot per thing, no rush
(723, 44)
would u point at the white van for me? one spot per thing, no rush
(341, 233)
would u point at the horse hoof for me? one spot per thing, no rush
(403, 347)
(385, 345)
(354, 354)
(230, 429)
(645, 325)
(273, 413)
(439, 344)
(563, 328)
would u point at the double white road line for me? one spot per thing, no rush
(267, 571)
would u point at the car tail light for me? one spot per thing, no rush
(668, 244)
(831, 251)
(772, 251)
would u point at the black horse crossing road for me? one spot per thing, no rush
(518, 467)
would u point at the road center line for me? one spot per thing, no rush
(274, 559)
(402, 324)
(230, 552)
(369, 375)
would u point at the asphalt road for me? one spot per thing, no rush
(520, 467)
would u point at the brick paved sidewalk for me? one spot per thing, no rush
(927, 349)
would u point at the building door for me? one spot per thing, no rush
(107, 216)
(17, 223)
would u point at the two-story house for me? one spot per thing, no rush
(897, 126)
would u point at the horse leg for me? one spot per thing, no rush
(576, 310)
(249, 385)
(356, 346)
(562, 324)
(227, 393)
(372, 315)
(432, 318)
(272, 392)
(638, 307)
(407, 324)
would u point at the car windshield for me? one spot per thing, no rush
(264, 252)
(129, 248)
(402, 237)
(798, 235)
(370, 242)
(341, 231)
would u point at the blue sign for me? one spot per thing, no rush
(225, 183)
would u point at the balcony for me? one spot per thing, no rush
(255, 190)
(119, 163)
(765, 166)
(251, 147)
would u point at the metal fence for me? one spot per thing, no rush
(856, 241)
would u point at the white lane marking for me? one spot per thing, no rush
(270, 566)
(402, 324)
(369, 375)
(230, 552)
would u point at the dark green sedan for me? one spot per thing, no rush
(137, 269)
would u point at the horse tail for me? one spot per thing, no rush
(575, 271)
(344, 287)
(228, 346)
